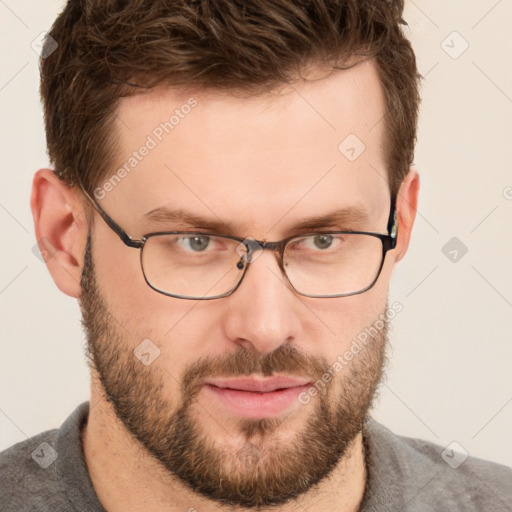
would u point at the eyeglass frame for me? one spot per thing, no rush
(388, 241)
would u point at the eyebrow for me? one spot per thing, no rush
(181, 219)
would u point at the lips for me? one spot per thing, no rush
(260, 385)
(255, 398)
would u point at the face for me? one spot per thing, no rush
(260, 166)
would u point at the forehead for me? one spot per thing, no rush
(310, 147)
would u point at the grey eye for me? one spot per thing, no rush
(323, 241)
(199, 243)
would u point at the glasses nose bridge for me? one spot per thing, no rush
(254, 246)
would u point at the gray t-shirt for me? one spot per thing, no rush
(48, 473)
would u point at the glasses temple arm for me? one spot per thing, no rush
(393, 222)
(120, 232)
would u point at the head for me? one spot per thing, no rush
(244, 120)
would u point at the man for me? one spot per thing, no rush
(232, 189)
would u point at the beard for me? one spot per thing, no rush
(263, 469)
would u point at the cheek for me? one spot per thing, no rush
(182, 330)
(335, 323)
(387, 270)
(138, 311)
(117, 266)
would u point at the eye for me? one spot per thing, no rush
(320, 243)
(323, 241)
(197, 243)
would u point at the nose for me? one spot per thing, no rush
(263, 312)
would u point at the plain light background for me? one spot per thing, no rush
(450, 373)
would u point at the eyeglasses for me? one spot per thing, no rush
(203, 266)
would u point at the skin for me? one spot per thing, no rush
(263, 164)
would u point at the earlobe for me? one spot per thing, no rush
(406, 204)
(61, 229)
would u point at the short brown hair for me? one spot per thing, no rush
(108, 49)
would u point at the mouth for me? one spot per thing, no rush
(256, 397)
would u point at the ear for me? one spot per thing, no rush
(406, 203)
(61, 229)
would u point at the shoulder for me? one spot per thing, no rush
(429, 476)
(28, 473)
(48, 472)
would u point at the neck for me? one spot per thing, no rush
(125, 476)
